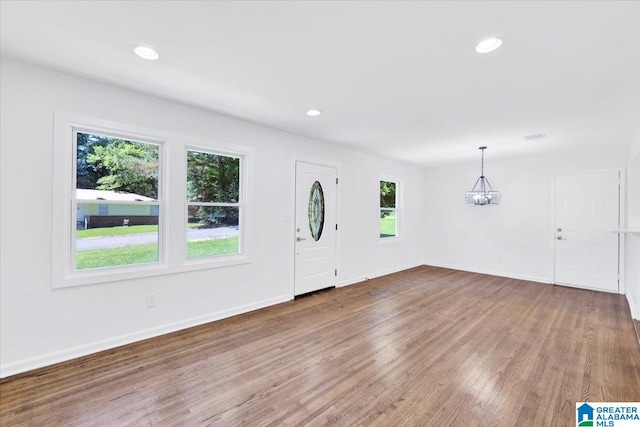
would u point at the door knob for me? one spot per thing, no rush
(299, 239)
(559, 238)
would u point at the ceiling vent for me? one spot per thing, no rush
(535, 136)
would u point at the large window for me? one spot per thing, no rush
(132, 202)
(388, 209)
(213, 204)
(116, 201)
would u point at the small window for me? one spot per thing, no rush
(388, 209)
(116, 201)
(214, 204)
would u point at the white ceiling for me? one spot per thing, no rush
(400, 79)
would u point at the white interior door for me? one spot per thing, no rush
(587, 214)
(315, 261)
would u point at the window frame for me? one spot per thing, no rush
(64, 272)
(398, 208)
(171, 202)
(222, 259)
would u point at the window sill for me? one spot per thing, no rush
(108, 275)
(384, 241)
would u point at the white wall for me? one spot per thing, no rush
(39, 326)
(514, 238)
(632, 265)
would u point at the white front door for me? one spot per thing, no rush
(587, 214)
(315, 263)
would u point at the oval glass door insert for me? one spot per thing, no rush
(316, 211)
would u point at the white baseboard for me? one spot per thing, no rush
(25, 365)
(632, 307)
(95, 347)
(359, 279)
(544, 280)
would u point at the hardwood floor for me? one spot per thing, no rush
(427, 346)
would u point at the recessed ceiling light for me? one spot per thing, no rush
(314, 113)
(146, 52)
(488, 45)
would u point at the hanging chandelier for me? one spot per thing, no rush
(482, 193)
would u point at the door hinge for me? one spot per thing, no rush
(336, 226)
(336, 272)
(336, 181)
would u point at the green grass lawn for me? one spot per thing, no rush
(124, 255)
(116, 231)
(142, 254)
(388, 226)
(221, 246)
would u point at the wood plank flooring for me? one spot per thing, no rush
(427, 346)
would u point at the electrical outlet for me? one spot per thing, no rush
(151, 300)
